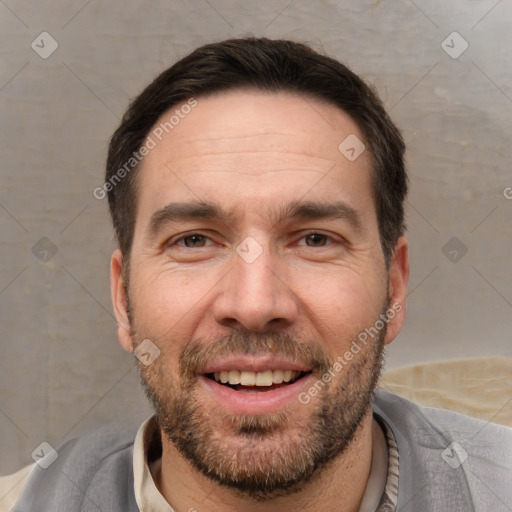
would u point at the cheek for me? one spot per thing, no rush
(342, 304)
(170, 304)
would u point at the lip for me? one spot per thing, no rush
(253, 364)
(261, 402)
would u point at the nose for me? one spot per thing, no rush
(256, 295)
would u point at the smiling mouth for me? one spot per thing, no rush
(256, 382)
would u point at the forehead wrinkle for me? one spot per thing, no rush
(290, 144)
(294, 158)
(252, 163)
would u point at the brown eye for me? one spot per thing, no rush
(195, 240)
(316, 240)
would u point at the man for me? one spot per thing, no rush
(257, 191)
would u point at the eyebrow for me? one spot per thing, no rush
(295, 210)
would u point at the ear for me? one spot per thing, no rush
(119, 300)
(398, 278)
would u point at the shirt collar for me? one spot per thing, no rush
(146, 447)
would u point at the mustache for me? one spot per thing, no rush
(198, 352)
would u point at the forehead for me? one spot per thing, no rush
(250, 119)
(246, 145)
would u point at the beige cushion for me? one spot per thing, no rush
(11, 486)
(480, 387)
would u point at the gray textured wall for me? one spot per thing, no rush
(63, 370)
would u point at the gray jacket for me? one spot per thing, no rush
(448, 462)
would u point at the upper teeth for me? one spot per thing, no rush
(266, 378)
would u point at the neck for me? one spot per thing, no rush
(339, 486)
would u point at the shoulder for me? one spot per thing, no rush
(447, 457)
(96, 467)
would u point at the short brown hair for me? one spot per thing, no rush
(269, 65)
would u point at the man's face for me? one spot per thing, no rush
(276, 286)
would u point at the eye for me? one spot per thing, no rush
(193, 240)
(313, 239)
(316, 239)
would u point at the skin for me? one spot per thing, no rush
(252, 151)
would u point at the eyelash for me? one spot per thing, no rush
(182, 238)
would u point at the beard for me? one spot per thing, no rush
(270, 455)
